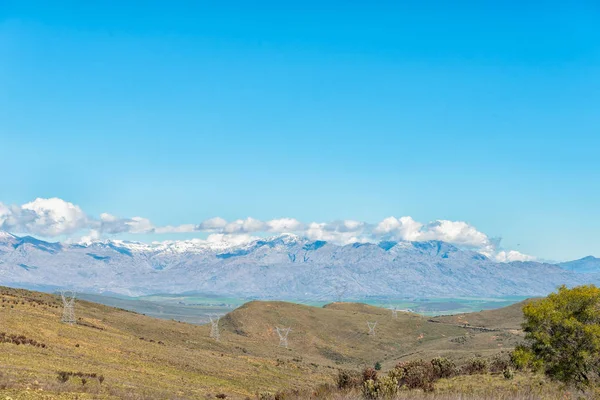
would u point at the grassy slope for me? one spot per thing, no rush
(190, 364)
(506, 318)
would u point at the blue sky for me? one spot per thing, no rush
(181, 111)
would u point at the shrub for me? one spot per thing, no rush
(508, 373)
(369, 390)
(387, 387)
(348, 379)
(563, 333)
(384, 388)
(369, 374)
(63, 376)
(522, 358)
(499, 363)
(19, 339)
(417, 374)
(476, 366)
(377, 366)
(443, 367)
(221, 396)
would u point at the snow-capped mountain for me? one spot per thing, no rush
(286, 266)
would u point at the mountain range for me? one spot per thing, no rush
(281, 267)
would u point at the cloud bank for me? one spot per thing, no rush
(55, 217)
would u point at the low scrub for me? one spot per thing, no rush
(443, 368)
(476, 366)
(418, 374)
(19, 339)
(64, 376)
(348, 379)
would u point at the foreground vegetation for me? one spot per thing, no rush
(112, 353)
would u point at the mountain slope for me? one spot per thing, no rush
(142, 357)
(588, 264)
(138, 357)
(283, 267)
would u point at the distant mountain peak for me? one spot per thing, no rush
(589, 264)
(6, 235)
(280, 266)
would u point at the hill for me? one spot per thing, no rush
(587, 264)
(282, 267)
(143, 357)
(507, 318)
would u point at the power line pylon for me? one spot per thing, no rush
(394, 312)
(214, 329)
(372, 326)
(283, 335)
(68, 299)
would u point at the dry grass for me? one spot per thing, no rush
(179, 361)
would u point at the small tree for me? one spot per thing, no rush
(378, 366)
(563, 334)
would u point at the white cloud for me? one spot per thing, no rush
(56, 217)
(5, 217)
(512, 255)
(284, 225)
(245, 226)
(212, 224)
(403, 228)
(186, 228)
(456, 232)
(139, 225)
(46, 217)
(324, 231)
(91, 237)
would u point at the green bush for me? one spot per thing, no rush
(443, 367)
(384, 388)
(377, 366)
(563, 334)
(508, 373)
(523, 358)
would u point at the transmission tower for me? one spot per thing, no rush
(214, 329)
(68, 299)
(394, 312)
(283, 335)
(372, 326)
